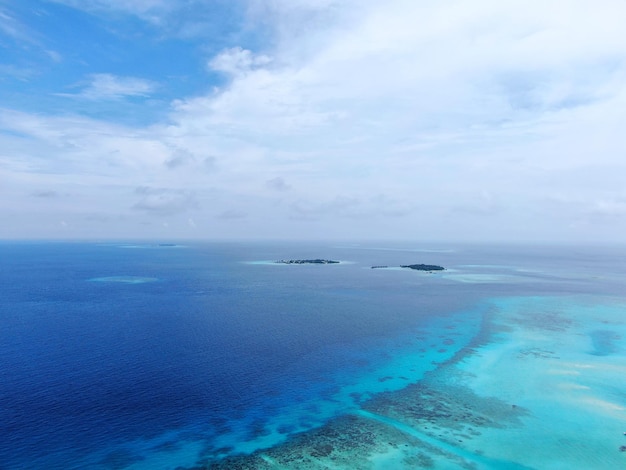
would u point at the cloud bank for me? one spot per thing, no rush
(481, 121)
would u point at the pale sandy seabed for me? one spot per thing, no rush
(541, 386)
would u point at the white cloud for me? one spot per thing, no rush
(232, 214)
(19, 73)
(164, 201)
(278, 184)
(105, 86)
(54, 56)
(464, 118)
(13, 28)
(610, 207)
(419, 69)
(74, 145)
(236, 61)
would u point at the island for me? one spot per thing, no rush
(307, 261)
(423, 267)
(417, 267)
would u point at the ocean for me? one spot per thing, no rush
(137, 356)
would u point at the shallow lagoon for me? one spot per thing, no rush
(531, 390)
(230, 363)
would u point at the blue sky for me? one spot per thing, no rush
(119, 63)
(419, 120)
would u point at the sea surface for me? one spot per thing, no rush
(137, 356)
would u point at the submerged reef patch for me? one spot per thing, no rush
(425, 425)
(345, 442)
(120, 459)
(604, 342)
(549, 318)
(452, 413)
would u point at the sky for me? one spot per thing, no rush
(447, 120)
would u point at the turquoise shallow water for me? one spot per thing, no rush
(141, 356)
(545, 360)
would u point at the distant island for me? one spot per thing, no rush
(417, 267)
(307, 261)
(423, 267)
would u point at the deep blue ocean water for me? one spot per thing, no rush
(113, 354)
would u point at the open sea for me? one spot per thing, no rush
(147, 356)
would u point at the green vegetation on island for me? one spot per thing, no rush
(423, 267)
(417, 267)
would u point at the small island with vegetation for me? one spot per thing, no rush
(307, 261)
(423, 267)
(417, 267)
